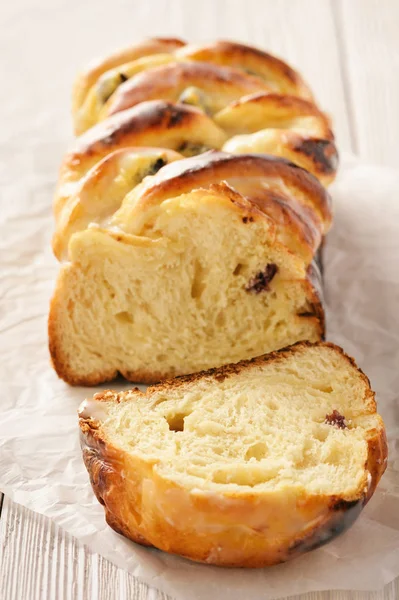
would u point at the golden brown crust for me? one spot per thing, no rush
(274, 74)
(318, 156)
(167, 82)
(377, 455)
(244, 528)
(153, 123)
(235, 118)
(239, 79)
(310, 144)
(100, 191)
(212, 167)
(61, 361)
(254, 60)
(151, 46)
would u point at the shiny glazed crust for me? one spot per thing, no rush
(223, 79)
(223, 53)
(211, 167)
(98, 195)
(155, 123)
(309, 145)
(243, 529)
(273, 70)
(167, 82)
(88, 77)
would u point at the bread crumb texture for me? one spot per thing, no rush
(173, 293)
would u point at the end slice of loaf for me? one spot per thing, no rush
(247, 465)
(206, 281)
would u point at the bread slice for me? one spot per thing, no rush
(247, 465)
(188, 275)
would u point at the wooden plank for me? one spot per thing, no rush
(39, 561)
(370, 57)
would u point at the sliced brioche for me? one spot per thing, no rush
(205, 280)
(248, 465)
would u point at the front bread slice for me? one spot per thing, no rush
(247, 465)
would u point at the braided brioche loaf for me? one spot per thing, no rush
(176, 257)
(189, 213)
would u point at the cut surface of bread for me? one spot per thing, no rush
(246, 465)
(205, 285)
(191, 271)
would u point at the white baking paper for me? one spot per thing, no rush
(40, 459)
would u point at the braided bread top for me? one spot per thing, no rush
(95, 86)
(111, 196)
(88, 78)
(259, 103)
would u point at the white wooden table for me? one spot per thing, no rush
(348, 50)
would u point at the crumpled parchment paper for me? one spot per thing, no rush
(40, 459)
